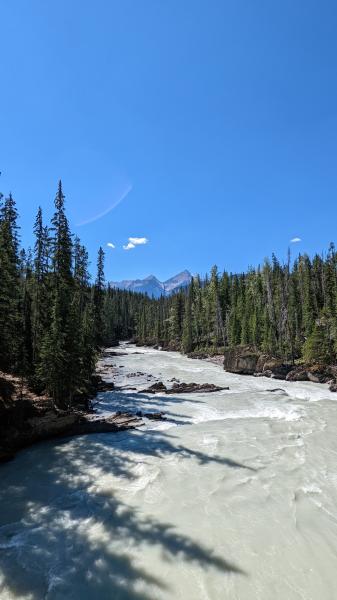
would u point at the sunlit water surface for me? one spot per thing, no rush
(233, 497)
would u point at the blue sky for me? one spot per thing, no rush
(216, 121)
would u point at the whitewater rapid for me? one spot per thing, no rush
(233, 496)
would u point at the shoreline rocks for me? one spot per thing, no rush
(247, 360)
(50, 424)
(155, 388)
(297, 374)
(242, 360)
(153, 416)
(26, 418)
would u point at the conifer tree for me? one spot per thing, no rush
(57, 349)
(187, 333)
(99, 299)
(41, 292)
(318, 346)
(10, 331)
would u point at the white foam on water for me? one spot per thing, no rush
(204, 510)
(161, 425)
(311, 488)
(260, 411)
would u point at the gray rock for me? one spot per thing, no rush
(297, 374)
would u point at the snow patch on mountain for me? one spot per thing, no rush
(153, 287)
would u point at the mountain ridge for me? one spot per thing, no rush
(151, 285)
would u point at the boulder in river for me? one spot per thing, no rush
(276, 369)
(153, 416)
(188, 388)
(183, 388)
(297, 374)
(241, 359)
(267, 373)
(319, 374)
(156, 388)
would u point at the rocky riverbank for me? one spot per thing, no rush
(26, 418)
(247, 360)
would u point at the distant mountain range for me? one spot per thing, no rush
(153, 287)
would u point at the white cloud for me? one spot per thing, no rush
(129, 246)
(135, 241)
(295, 240)
(138, 241)
(111, 245)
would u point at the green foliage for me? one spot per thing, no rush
(99, 300)
(47, 313)
(318, 346)
(10, 291)
(274, 307)
(187, 333)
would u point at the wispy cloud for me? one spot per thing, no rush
(295, 240)
(135, 241)
(111, 245)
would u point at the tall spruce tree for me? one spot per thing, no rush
(187, 333)
(57, 350)
(10, 330)
(99, 300)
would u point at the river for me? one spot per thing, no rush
(234, 496)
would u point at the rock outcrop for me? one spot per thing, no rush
(242, 359)
(297, 374)
(189, 388)
(26, 420)
(319, 374)
(153, 416)
(155, 388)
(247, 360)
(276, 369)
(182, 388)
(27, 425)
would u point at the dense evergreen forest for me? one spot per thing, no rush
(51, 317)
(54, 320)
(286, 310)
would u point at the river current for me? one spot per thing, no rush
(233, 496)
